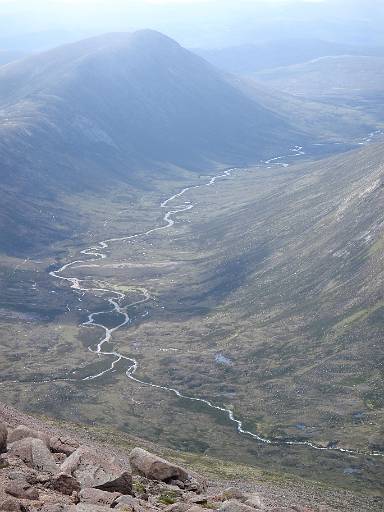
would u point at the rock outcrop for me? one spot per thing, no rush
(34, 452)
(22, 432)
(93, 470)
(155, 468)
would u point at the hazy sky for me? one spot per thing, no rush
(193, 22)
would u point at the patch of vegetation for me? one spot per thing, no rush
(168, 498)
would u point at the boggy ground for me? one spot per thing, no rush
(267, 299)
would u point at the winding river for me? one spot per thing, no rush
(115, 301)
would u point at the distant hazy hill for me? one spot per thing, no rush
(329, 76)
(7, 56)
(138, 96)
(106, 109)
(249, 58)
(345, 80)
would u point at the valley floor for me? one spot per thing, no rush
(248, 301)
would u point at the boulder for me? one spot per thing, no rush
(27, 474)
(121, 483)
(254, 500)
(66, 484)
(154, 467)
(87, 507)
(3, 437)
(21, 490)
(197, 499)
(59, 507)
(11, 505)
(233, 493)
(128, 503)
(22, 432)
(235, 506)
(178, 507)
(131, 504)
(35, 453)
(195, 484)
(98, 497)
(58, 457)
(60, 444)
(95, 470)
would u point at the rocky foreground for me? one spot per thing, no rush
(45, 470)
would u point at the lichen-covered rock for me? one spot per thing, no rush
(235, 506)
(23, 432)
(178, 507)
(11, 505)
(98, 497)
(58, 507)
(34, 452)
(131, 504)
(22, 490)
(66, 484)
(233, 493)
(254, 500)
(87, 507)
(95, 470)
(61, 444)
(154, 467)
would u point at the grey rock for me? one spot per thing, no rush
(154, 467)
(254, 500)
(198, 499)
(233, 493)
(66, 484)
(59, 507)
(98, 497)
(35, 453)
(178, 507)
(235, 506)
(22, 490)
(87, 507)
(196, 484)
(23, 432)
(131, 504)
(61, 444)
(11, 505)
(95, 470)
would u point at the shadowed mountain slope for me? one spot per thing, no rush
(139, 96)
(98, 112)
(110, 109)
